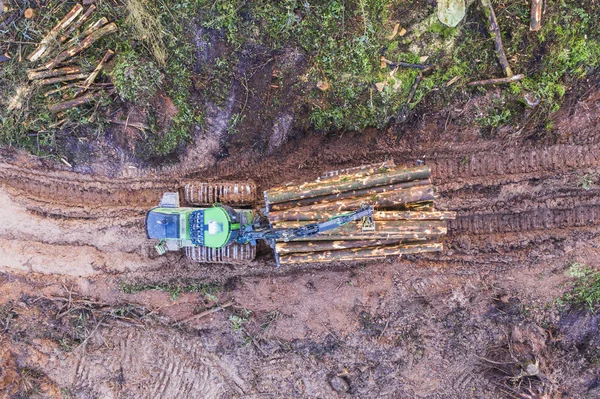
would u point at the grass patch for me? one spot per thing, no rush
(209, 290)
(586, 290)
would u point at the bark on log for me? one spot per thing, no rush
(394, 199)
(85, 43)
(359, 253)
(365, 192)
(90, 79)
(536, 15)
(308, 190)
(513, 78)
(358, 169)
(293, 216)
(77, 24)
(65, 87)
(54, 108)
(59, 79)
(33, 75)
(495, 32)
(48, 40)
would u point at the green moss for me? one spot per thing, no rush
(136, 79)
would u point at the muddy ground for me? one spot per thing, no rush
(463, 323)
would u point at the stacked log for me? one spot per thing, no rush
(404, 220)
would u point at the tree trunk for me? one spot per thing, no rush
(294, 216)
(316, 189)
(33, 75)
(59, 79)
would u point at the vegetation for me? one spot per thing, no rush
(209, 290)
(342, 42)
(586, 290)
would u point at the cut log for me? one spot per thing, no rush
(320, 246)
(33, 75)
(59, 79)
(77, 24)
(394, 199)
(95, 26)
(496, 81)
(358, 253)
(316, 189)
(536, 15)
(495, 32)
(372, 168)
(48, 40)
(90, 79)
(293, 216)
(85, 43)
(365, 192)
(30, 13)
(54, 108)
(62, 88)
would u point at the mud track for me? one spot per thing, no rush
(508, 200)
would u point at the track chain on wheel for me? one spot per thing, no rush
(234, 253)
(228, 193)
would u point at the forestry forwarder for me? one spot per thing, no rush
(362, 213)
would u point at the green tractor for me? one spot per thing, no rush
(330, 219)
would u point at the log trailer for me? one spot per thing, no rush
(362, 213)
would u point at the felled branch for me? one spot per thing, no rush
(510, 79)
(536, 15)
(33, 75)
(51, 36)
(495, 32)
(77, 24)
(392, 64)
(58, 79)
(90, 79)
(85, 43)
(54, 108)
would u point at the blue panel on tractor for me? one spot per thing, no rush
(162, 225)
(197, 228)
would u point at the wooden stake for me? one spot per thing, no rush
(536, 15)
(90, 79)
(510, 79)
(33, 75)
(77, 24)
(495, 32)
(85, 43)
(59, 79)
(47, 41)
(54, 108)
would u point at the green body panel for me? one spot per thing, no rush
(218, 226)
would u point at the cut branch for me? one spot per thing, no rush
(51, 36)
(59, 79)
(77, 24)
(511, 79)
(90, 79)
(536, 15)
(495, 32)
(33, 75)
(54, 108)
(85, 43)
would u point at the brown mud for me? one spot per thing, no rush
(417, 326)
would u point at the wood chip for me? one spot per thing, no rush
(380, 86)
(423, 58)
(452, 81)
(323, 85)
(402, 32)
(394, 32)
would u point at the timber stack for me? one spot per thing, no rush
(404, 220)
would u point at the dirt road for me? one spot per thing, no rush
(412, 327)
